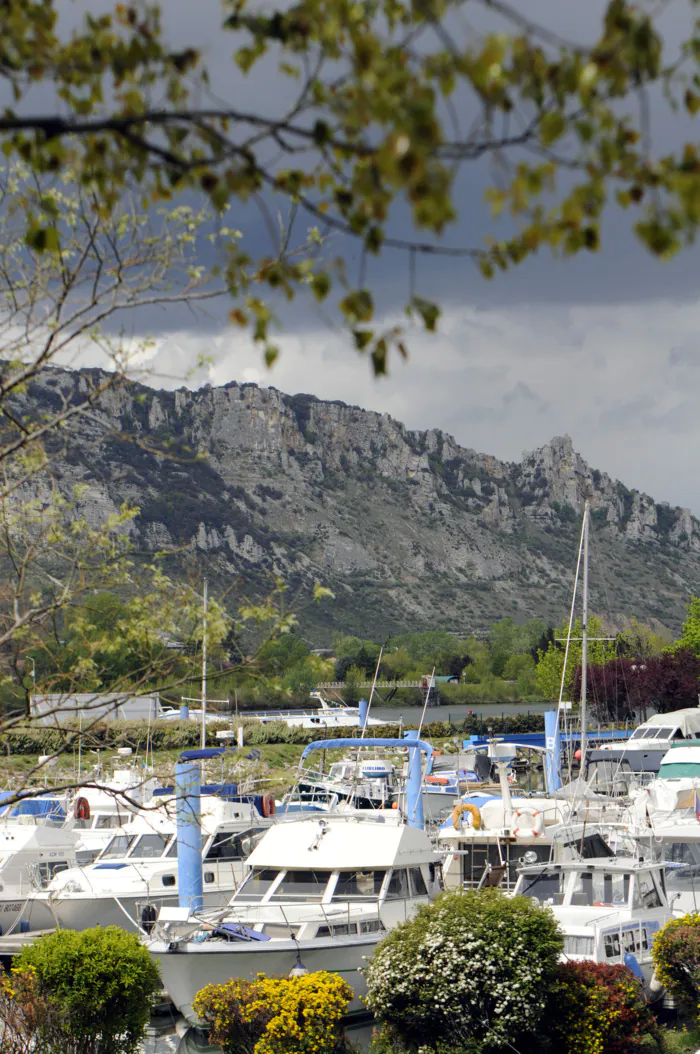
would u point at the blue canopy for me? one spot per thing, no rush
(47, 808)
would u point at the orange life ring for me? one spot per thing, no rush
(268, 805)
(81, 809)
(441, 781)
(534, 831)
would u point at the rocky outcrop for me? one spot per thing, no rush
(407, 527)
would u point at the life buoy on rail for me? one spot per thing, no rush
(440, 781)
(472, 810)
(268, 805)
(81, 809)
(531, 823)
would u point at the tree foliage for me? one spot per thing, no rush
(623, 688)
(380, 105)
(471, 971)
(97, 985)
(550, 665)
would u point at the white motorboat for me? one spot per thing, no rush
(322, 714)
(321, 892)
(136, 874)
(610, 910)
(105, 803)
(31, 855)
(372, 783)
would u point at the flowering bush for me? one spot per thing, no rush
(598, 1009)
(471, 971)
(676, 954)
(30, 1021)
(276, 1015)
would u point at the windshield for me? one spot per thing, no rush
(304, 885)
(598, 888)
(359, 885)
(546, 886)
(257, 883)
(675, 769)
(119, 846)
(150, 846)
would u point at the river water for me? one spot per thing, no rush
(411, 714)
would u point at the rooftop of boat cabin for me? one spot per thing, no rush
(362, 839)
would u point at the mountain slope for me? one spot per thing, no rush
(408, 528)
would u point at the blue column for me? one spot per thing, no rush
(414, 798)
(363, 707)
(189, 835)
(552, 742)
(184, 712)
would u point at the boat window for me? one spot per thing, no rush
(645, 939)
(646, 894)
(418, 888)
(681, 853)
(279, 931)
(676, 769)
(168, 880)
(398, 885)
(630, 940)
(611, 945)
(372, 926)
(364, 885)
(574, 945)
(259, 881)
(228, 846)
(546, 886)
(119, 846)
(150, 846)
(310, 885)
(82, 825)
(596, 888)
(104, 823)
(209, 877)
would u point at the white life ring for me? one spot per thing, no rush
(529, 823)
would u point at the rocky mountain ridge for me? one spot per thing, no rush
(409, 529)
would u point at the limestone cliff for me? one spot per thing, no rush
(409, 528)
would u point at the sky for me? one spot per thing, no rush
(604, 347)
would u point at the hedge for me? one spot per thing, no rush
(180, 735)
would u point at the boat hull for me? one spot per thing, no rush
(188, 967)
(126, 912)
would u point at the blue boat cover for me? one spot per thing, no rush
(243, 933)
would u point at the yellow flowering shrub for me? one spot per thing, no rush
(276, 1015)
(676, 955)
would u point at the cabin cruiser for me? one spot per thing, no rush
(609, 910)
(322, 713)
(106, 803)
(619, 768)
(370, 784)
(31, 854)
(137, 873)
(321, 893)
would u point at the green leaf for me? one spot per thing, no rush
(321, 285)
(428, 311)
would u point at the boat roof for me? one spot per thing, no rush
(363, 840)
(687, 720)
(682, 755)
(601, 863)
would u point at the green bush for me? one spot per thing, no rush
(101, 981)
(470, 972)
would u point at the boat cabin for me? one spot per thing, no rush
(608, 909)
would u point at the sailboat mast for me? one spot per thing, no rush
(584, 645)
(203, 740)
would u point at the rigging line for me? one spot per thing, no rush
(431, 685)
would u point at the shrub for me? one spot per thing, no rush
(598, 1009)
(472, 968)
(676, 954)
(276, 1015)
(99, 982)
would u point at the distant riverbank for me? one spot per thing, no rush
(453, 714)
